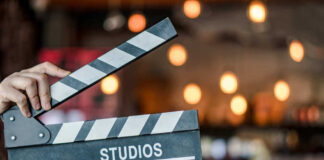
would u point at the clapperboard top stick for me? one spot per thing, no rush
(88, 75)
(110, 62)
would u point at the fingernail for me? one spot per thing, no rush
(37, 106)
(28, 114)
(47, 106)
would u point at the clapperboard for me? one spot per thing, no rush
(165, 136)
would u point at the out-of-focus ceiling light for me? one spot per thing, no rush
(137, 22)
(110, 84)
(257, 12)
(192, 8)
(228, 82)
(39, 5)
(281, 90)
(114, 20)
(296, 51)
(238, 105)
(192, 93)
(177, 55)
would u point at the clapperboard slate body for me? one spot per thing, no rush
(169, 136)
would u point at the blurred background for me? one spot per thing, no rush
(253, 69)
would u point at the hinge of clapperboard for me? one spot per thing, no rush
(21, 132)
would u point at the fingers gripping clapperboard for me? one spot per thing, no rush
(165, 136)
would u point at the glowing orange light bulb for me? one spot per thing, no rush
(296, 51)
(228, 82)
(238, 105)
(281, 90)
(192, 93)
(177, 55)
(257, 12)
(192, 8)
(136, 22)
(110, 84)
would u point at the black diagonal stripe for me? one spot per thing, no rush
(187, 121)
(163, 29)
(54, 129)
(74, 83)
(102, 66)
(54, 102)
(115, 130)
(150, 123)
(84, 131)
(131, 49)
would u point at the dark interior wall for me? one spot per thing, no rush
(18, 36)
(17, 42)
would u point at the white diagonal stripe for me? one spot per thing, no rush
(87, 74)
(116, 57)
(68, 132)
(61, 91)
(180, 158)
(146, 41)
(133, 126)
(101, 129)
(167, 122)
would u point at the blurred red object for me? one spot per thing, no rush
(91, 102)
(50, 55)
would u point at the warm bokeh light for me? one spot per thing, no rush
(303, 115)
(296, 51)
(110, 84)
(228, 82)
(313, 114)
(238, 105)
(192, 8)
(192, 93)
(177, 55)
(136, 22)
(257, 12)
(281, 90)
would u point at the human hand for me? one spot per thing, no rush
(29, 84)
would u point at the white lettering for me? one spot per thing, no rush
(139, 151)
(120, 153)
(113, 152)
(149, 154)
(104, 154)
(132, 152)
(157, 149)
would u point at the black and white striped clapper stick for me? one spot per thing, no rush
(110, 62)
(165, 136)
